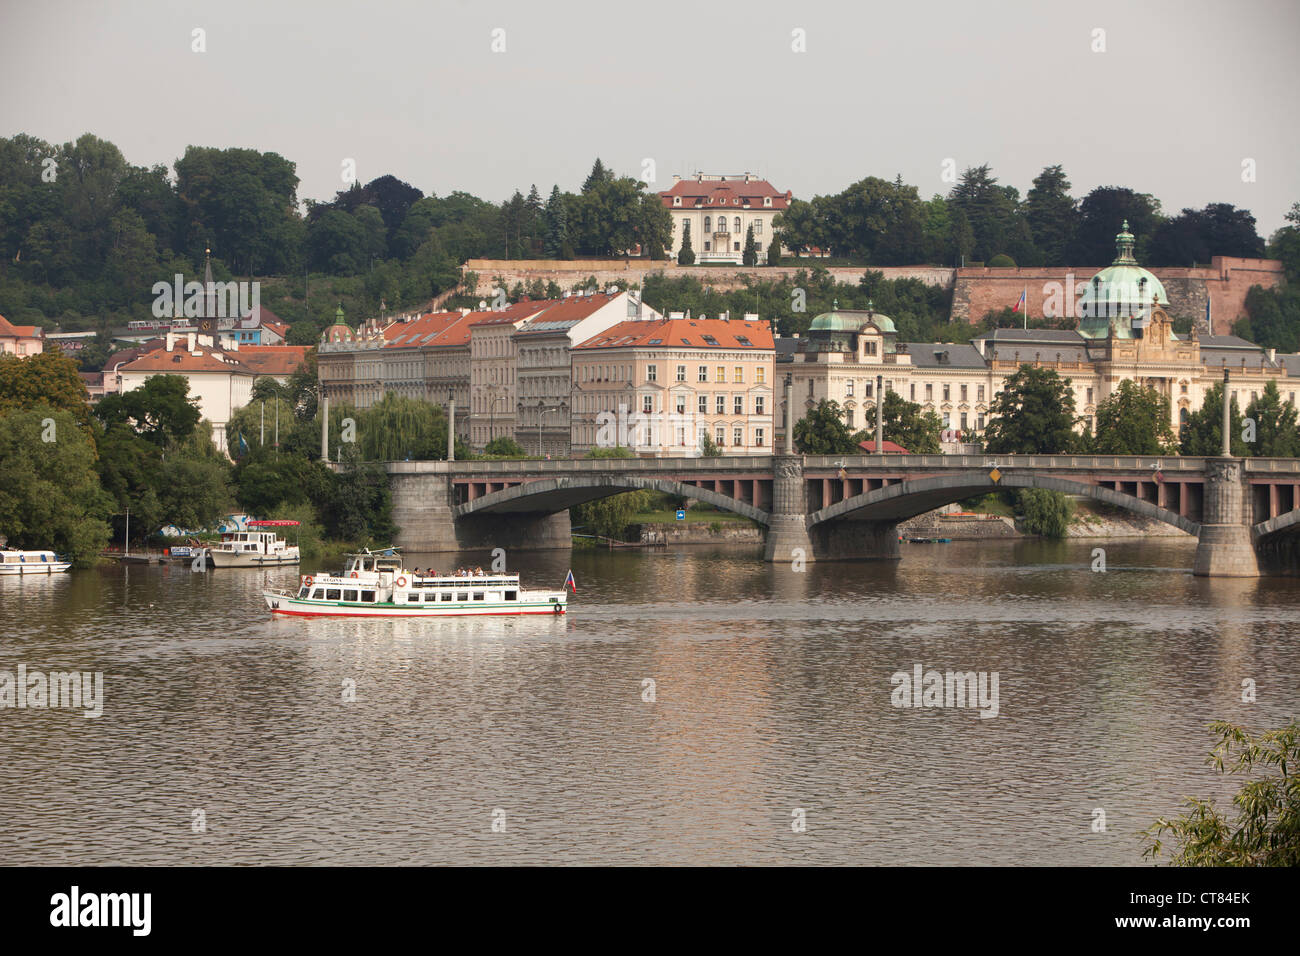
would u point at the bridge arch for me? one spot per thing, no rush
(563, 492)
(1282, 522)
(907, 499)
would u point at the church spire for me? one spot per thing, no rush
(1124, 247)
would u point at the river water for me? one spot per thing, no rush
(771, 737)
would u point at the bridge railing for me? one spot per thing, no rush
(1172, 463)
(731, 464)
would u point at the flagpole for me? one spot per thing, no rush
(1025, 293)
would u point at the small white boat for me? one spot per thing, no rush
(374, 584)
(13, 561)
(253, 549)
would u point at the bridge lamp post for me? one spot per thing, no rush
(789, 413)
(492, 416)
(1227, 417)
(543, 407)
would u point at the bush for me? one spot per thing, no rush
(1002, 261)
(1046, 513)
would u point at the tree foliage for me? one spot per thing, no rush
(1032, 415)
(1202, 435)
(1134, 420)
(1045, 513)
(823, 431)
(1266, 827)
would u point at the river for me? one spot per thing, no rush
(769, 733)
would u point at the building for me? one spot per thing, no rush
(720, 211)
(544, 346)
(21, 340)
(1125, 333)
(660, 386)
(493, 369)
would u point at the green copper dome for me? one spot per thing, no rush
(836, 321)
(1122, 291)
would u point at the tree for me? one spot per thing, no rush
(49, 378)
(1046, 513)
(1101, 214)
(610, 517)
(708, 447)
(503, 446)
(992, 213)
(905, 424)
(1276, 433)
(749, 256)
(1053, 216)
(686, 255)
(161, 410)
(1032, 415)
(50, 496)
(1266, 831)
(1196, 235)
(1134, 420)
(823, 432)
(599, 175)
(1202, 435)
(774, 250)
(1272, 317)
(556, 218)
(362, 509)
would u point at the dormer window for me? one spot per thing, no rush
(767, 201)
(677, 200)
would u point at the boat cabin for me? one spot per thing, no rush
(257, 542)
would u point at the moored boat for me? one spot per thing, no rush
(375, 584)
(14, 561)
(253, 549)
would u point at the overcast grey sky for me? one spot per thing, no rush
(1182, 95)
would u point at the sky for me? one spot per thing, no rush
(1193, 102)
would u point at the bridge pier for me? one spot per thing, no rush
(422, 511)
(787, 531)
(1225, 548)
(853, 540)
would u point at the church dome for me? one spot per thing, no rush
(1122, 291)
(337, 333)
(855, 321)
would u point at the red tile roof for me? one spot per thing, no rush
(732, 192)
(270, 359)
(523, 309)
(414, 332)
(178, 360)
(18, 331)
(870, 447)
(671, 333)
(573, 309)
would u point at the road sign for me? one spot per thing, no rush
(681, 514)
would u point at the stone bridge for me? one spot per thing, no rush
(827, 508)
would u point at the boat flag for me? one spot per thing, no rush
(569, 582)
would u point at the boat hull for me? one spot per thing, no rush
(226, 559)
(52, 567)
(296, 607)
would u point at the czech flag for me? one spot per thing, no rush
(569, 582)
(1022, 302)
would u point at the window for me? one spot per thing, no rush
(735, 247)
(704, 404)
(1089, 396)
(738, 374)
(444, 596)
(759, 402)
(647, 404)
(512, 595)
(333, 594)
(963, 398)
(848, 388)
(721, 437)
(736, 223)
(963, 421)
(912, 394)
(318, 594)
(760, 375)
(430, 596)
(462, 595)
(848, 417)
(1184, 389)
(708, 223)
(651, 373)
(704, 373)
(869, 347)
(758, 227)
(681, 404)
(721, 404)
(707, 245)
(478, 595)
(979, 393)
(738, 406)
(368, 597)
(810, 388)
(681, 373)
(350, 595)
(721, 374)
(947, 392)
(413, 598)
(870, 389)
(738, 436)
(758, 437)
(979, 422)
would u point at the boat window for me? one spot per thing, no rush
(413, 599)
(445, 596)
(332, 594)
(318, 594)
(303, 592)
(431, 596)
(350, 595)
(368, 596)
(462, 596)
(510, 595)
(478, 595)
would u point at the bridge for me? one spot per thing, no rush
(846, 507)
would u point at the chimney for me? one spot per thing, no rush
(979, 345)
(171, 340)
(1272, 356)
(676, 178)
(191, 341)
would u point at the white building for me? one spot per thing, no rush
(720, 211)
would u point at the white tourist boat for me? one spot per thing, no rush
(374, 584)
(13, 561)
(254, 549)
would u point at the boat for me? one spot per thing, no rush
(253, 549)
(14, 561)
(375, 584)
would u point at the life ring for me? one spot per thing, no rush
(401, 582)
(306, 581)
(559, 608)
(354, 574)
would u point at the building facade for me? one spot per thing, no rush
(659, 387)
(21, 340)
(720, 211)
